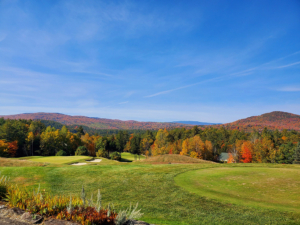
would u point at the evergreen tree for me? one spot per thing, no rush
(80, 131)
(297, 155)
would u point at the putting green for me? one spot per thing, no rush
(60, 159)
(250, 186)
(130, 157)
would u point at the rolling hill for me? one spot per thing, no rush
(273, 120)
(195, 123)
(95, 123)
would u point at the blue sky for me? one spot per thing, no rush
(210, 61)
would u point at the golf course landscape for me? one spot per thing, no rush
(170, 192)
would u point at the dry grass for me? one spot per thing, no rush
(172, 159)
(8, 162)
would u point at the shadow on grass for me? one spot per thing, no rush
(125, 160)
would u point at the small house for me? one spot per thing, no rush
(223, 157)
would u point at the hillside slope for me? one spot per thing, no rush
(96, 123)
(173, 158)
(273, 120)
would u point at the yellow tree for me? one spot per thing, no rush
(185, 147)
(30, 139)
(160, 145)
(3, 148)
(198, 146)
(208, 150)
(262, 150)
(146, 144)
(194, 155)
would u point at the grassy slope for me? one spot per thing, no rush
(60, 159)
(174, 158)
(153, 186)
(130, 157)
(258, 187)
(20, 163)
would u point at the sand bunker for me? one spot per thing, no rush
(78, 164)
(96, 160)
(92, 161)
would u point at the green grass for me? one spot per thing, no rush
(250, 186)
(130, 157)
(153, 186)
(59, 159)
(174, 158)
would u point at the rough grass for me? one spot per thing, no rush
(153, 186)
(60, 159)
(174, 158)
(250, 186)
(18, 163)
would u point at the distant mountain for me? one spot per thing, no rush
(273, 120)
(95, 123)
(195, 123)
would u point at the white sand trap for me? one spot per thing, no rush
(96, 160)
(78, 164)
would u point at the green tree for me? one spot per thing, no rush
(297, 155)
(81, 150)
(285, 153)
(80, 131)
(102, 144)
(135, 145)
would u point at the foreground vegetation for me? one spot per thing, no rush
(162, 201)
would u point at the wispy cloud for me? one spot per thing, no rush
(186, 86)
(292, 64)
(246, 72)
(2, 37)
(289, 89)
(121, 103)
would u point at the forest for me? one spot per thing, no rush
(31, 138)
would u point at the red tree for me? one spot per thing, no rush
(12, 148)
(246, 154)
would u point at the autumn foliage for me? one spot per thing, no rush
(246, 154)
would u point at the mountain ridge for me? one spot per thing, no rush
(272, 120)
(195, 123)
(96, 123)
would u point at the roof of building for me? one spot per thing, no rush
(224, 156)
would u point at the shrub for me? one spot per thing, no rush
(3, 186)
(129, 214)
(102, 153)
(115, 156)
(81, 150)
(61, 153)
(60, 207)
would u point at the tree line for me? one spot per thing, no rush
(27, 137)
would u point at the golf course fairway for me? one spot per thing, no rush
(274, 188)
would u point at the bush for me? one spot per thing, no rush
(115, 156)
(81, 150)
(71, 208)
(102, 153)
(61, 153)
(3, 186)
